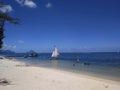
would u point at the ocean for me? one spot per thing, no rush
(100, 64)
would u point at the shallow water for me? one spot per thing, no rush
(100, 64)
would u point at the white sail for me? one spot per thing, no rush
(55, 53)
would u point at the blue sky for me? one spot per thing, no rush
(71, 25)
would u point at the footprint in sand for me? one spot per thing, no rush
(106, 86)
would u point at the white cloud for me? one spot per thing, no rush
(6, 46)
(48, 5)
(28, 3)
(20, 41)
(9, 46)
(14, 47)
(20, 2)
(6, 8)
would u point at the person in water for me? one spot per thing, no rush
(73, 64)
(78, 60)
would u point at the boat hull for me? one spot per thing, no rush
(54, 58)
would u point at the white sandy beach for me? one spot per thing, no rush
(22, 77)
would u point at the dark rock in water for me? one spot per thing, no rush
(31, 54)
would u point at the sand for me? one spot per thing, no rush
(23, 77)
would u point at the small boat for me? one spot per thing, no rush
(55, 53)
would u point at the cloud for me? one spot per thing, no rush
(6, 8)
(20, 41)
(9, 46)
(48, 5)
(14, 47)
(28, 3)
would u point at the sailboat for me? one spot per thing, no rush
(55, 53)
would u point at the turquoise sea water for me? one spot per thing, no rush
(105, 64)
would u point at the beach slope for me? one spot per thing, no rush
(23, 77)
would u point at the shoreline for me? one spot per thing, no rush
(24, 77)
(100, 72)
